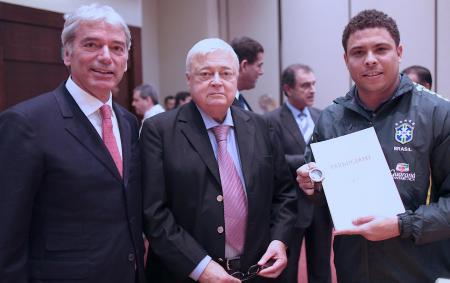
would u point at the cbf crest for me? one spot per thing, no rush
(404, 131)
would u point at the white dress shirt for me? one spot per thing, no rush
(90, 106)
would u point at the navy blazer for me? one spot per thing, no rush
(66, 212)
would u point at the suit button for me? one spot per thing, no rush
(219, 198)
(220, 229)
(131, 257)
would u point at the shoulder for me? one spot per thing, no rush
(275, 114)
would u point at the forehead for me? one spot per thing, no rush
(370, 36)
(215, 59)
(100, 30)
(302, 76)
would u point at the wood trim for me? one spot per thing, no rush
(21, 14)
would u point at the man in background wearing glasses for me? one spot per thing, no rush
(218, 200)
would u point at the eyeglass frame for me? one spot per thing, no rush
(252, 271)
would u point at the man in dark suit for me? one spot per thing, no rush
(69, 172)
(251, 59)
(218, 199)
(294, 122)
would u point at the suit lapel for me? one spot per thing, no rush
(287, 119)
(245, 134)
(125, 138)
(79, 126)
(193, 128)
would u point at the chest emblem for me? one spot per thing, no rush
(404, 131)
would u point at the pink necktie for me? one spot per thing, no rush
(108, 136)
(234, 200)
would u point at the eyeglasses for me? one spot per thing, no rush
(252, 271)
(226, 75)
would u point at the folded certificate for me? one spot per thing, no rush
(357, 181)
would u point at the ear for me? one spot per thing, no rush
(126, 66)
(287, 90)
(345, 58)
(399, 50)
(66, 56)
(243, 65)
(188, 79)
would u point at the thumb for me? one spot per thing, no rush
(362, 220)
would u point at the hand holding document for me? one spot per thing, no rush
(357, 181)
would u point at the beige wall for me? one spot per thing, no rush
(443, 48)
(310, 33)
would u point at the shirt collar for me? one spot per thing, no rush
(87, 102)
(296, 112)
(211, 123)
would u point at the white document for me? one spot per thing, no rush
(357, 181)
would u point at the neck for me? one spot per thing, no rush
(373, 99)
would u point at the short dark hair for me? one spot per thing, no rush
(423, 74)
(370, 19)
(288, 75)
(148, 91)
(246, 48)
(168, 97)
(181, 95)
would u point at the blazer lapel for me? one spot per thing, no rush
(245, 134)
(125, 138)
(79, 126)
(193, 128)
(289, 122)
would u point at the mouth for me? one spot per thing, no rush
(103, 72)
(372, 74)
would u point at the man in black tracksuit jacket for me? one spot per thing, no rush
(413, 127)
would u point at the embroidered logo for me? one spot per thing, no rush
(402, 173)
(402, 167)
(404, 131)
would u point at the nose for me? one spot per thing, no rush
(216, 80)
(370, 59)
(105, 55)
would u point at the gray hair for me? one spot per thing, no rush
(92, 12)
(209, 45)
(147, 90)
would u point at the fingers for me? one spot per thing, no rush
(274, 270)
(303, 179)
(277, 252)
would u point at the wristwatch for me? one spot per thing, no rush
(316, 176)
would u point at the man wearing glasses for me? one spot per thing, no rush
(218, 204)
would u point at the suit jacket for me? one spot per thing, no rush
(294, 147)
(182, 211)
(66, 213)
(236, 103)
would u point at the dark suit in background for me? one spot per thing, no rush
(66, 213)
(313, 223)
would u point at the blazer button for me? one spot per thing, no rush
(220, 229)
(219, 198)
(131, 257)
